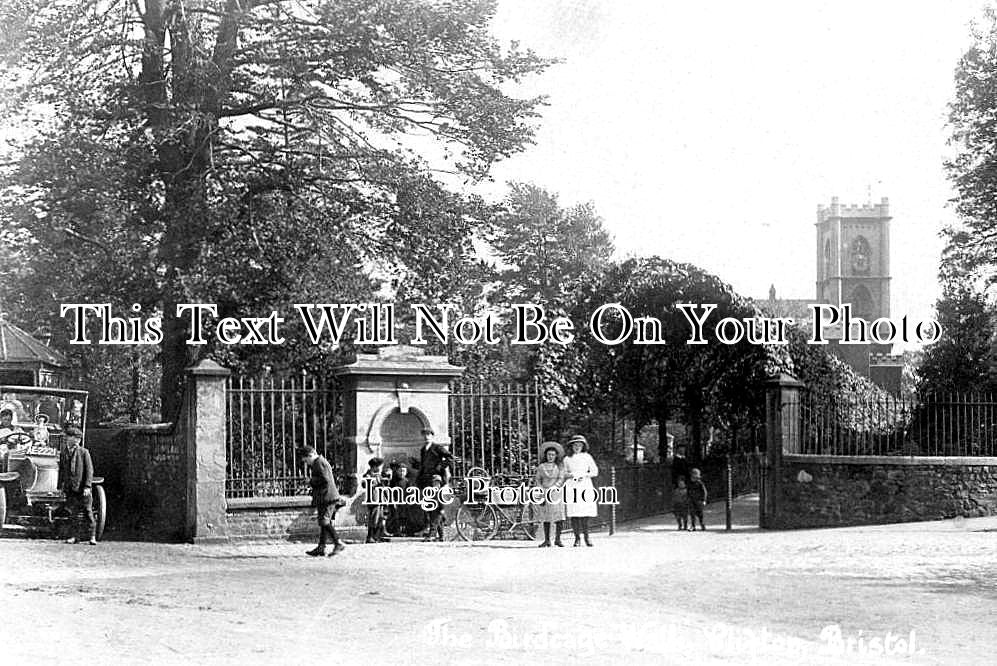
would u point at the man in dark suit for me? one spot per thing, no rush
(434, 462)
(325, 499)
(76, 480)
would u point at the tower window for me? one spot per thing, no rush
(862, 305)
(861, 255)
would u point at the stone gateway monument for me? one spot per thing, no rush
(394, 403)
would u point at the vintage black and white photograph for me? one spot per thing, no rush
(498, 331)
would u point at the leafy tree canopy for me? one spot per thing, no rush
(973, 169)
(247, 152)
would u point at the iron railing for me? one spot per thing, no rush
(492, 425)
(495, 426)
(268, 419)
(938, 425)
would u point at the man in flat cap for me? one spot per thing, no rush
(434, 462)
(76, 481)
(325, 499)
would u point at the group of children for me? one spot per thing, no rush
(688, 501)
(399, 520)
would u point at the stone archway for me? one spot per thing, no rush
(401, 435)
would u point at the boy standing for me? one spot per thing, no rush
(398, 523)
(697, 499)
(375, 512)
(325, 499)
(76, 480)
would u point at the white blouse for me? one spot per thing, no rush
(580, 465)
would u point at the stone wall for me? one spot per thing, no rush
(155, 482)
(834, 491)
(280, 518)
(287, 519)
(144, 470)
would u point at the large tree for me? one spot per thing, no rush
(973, 169)
(548, 252)
(965, 358)
(192, 147)
(706, 384)
(547, 255)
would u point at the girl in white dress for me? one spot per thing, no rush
(579, 469)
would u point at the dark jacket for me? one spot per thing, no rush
(433, 460)
(680, 470)
(680, 500)
(75, 470)
(697, 493)
(324, 490)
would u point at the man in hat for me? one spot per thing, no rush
(7, 426)
(434, 461)
(325, 499)
(76, 481)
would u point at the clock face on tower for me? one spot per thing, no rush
(860, 252)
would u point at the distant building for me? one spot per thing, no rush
(26, 361)
(853, 267)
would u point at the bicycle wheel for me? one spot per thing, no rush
(526, 522)
(476, 522)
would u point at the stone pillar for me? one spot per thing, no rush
(393, 403)
(782, 435)
(205, 427)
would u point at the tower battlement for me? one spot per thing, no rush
(837, 210)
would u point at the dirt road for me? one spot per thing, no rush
(924, 592)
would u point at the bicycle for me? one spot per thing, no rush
(481, 521)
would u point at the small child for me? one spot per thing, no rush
(40, 432)
(697, 499)
(680, 505)
(375, 512)
(435, 517)
(398, 514)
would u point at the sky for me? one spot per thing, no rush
(709, 132)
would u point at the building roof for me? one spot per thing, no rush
(797, 308)
(17, 346)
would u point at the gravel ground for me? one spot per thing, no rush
(648, 594)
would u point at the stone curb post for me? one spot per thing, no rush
(782, 435)
(205, 428)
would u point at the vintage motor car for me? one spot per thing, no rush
(32, 440)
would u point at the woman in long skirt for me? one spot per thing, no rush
(579, 493)
(550, 475)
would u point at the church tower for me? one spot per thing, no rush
(853, 266)
(853, 257)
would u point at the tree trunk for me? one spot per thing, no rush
(662, 415)
(184, 126)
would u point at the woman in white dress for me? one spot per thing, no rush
(550, 475)
(579, 469)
